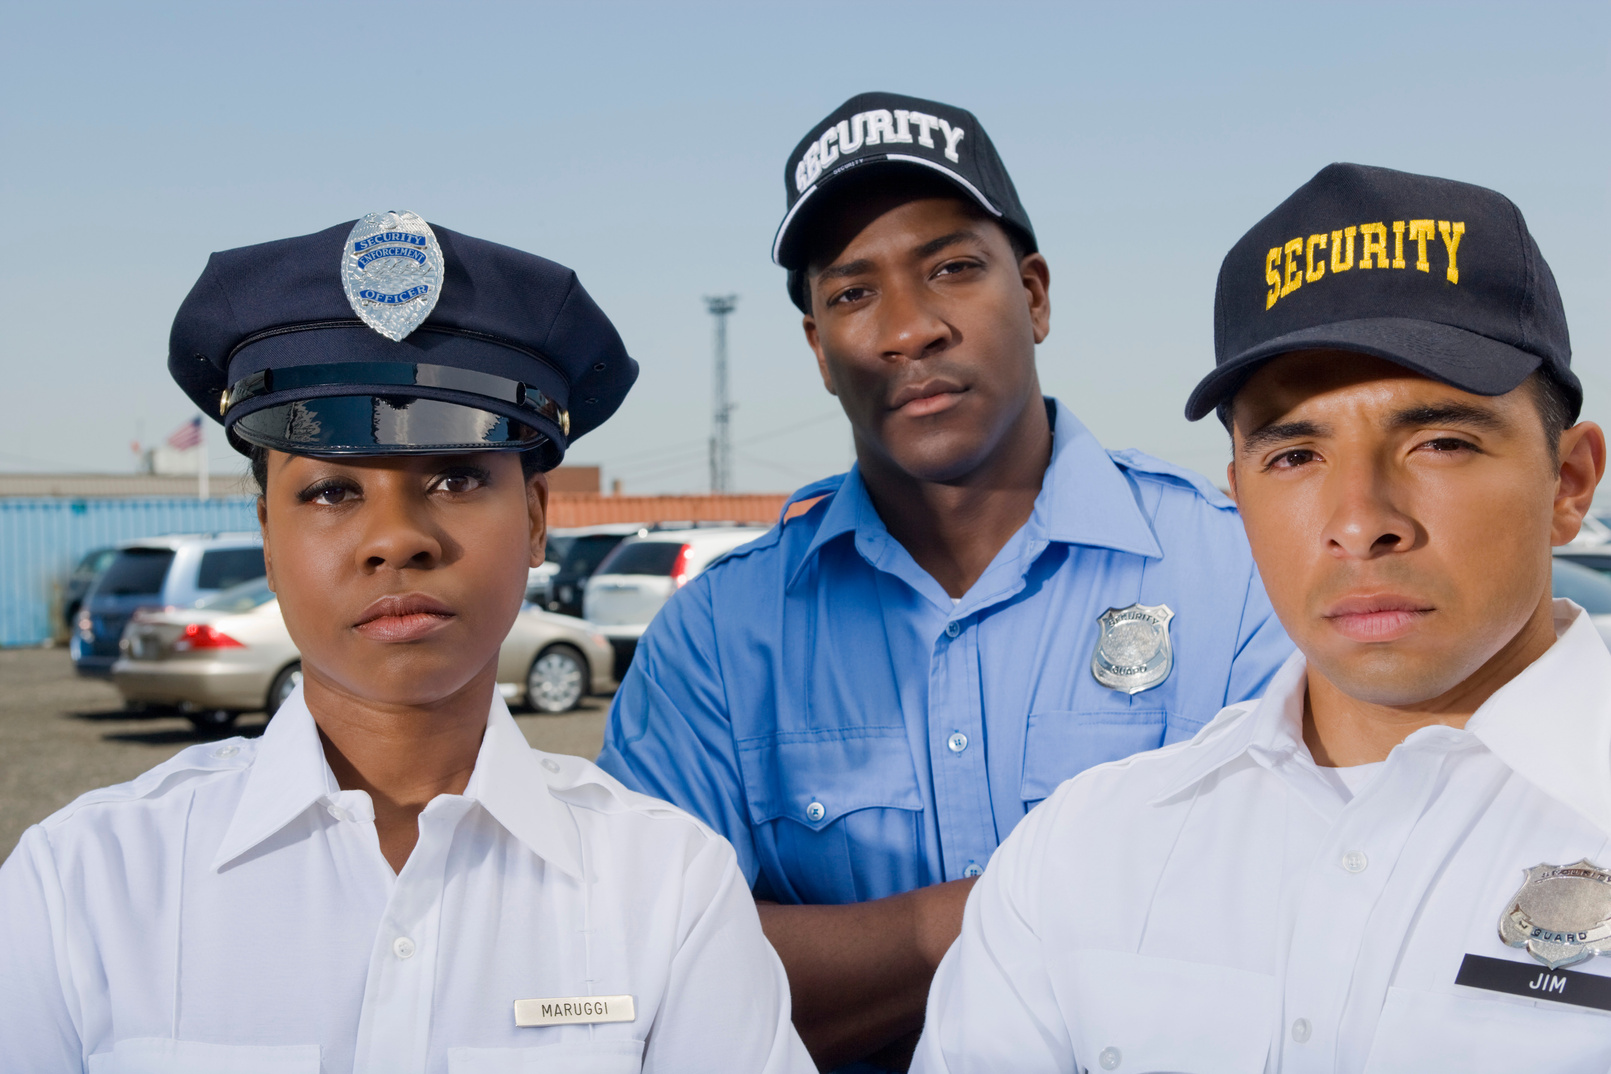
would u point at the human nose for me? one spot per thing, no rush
(398, 530)
(1366, 517)
(910, 325)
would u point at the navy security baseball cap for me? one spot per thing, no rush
(1442, 278)
(388, 336)
(888, 129)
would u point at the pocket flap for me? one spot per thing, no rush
(1421, 1031)
(1161, 1014)
(151, 1055)
(816, 777)
(1060, 745)
(574, 1057)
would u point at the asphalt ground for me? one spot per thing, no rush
(62, 735)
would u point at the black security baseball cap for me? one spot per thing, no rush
(891, 130)
(388, 336)
(1440, 277)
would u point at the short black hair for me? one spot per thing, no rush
(531, 462)
(911, 180)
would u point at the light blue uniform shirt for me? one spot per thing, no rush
(820, 700)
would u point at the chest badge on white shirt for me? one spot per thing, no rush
(1133, 652)
(574, 1010)
(1562, 914)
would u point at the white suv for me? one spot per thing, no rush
(642, 573)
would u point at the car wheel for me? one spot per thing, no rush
(557, 681)
(284, 683)
(211, 721)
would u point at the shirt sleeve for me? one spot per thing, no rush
(727, 996)
(35, 1022)
(1262, 645)
(992, 1006)
(669, 734)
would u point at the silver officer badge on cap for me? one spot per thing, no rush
(1133, 651)
(1562, 914)
(391, 269)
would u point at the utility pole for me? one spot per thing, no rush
(721, 447)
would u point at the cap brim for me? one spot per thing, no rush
(343, 425)
(784, 250)
(1466, 360)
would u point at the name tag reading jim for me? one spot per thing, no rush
(1535, 982)
(574, 1010)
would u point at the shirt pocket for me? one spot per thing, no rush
(1422, 1031)
(1059, 745)
(150, 1055)
(844, 809)
(576, 1057)
(1146, 1015)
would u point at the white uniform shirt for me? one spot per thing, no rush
(230, 911)
(1225, 905)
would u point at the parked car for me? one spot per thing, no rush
(540, 580)
(79, 581)
(587, 546)
(1594, 557)
(231, 653)
(1586, 587)
(157, 572)
(642, 573)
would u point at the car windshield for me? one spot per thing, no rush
(643, 557)
(240, 598)
(558, 548)
(136, 572)
(586, 551)
(1589, 589)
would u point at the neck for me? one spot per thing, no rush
(1343, 731)
(402, 755)
(954, 528)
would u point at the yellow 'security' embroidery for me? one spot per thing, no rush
(1294, 263)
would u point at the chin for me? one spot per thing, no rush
(1398, 678)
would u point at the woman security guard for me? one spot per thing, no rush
(390, 879)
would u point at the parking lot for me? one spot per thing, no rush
(62, 735)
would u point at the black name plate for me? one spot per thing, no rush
(1535, 981)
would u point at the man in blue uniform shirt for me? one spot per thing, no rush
(866, 700)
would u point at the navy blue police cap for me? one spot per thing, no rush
(387, 336)
(887, 130)
(1442, 278)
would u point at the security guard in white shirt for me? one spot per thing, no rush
(1395, 861)
(390, 880)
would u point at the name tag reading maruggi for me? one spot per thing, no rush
(574, 1010)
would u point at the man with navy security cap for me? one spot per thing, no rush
(1395, 862)
(867, 700)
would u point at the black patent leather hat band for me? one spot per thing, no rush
(382, 425)
(402, 375)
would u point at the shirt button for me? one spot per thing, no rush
(972, 869)
(815, 812)
(1355, 861)
(957, 742)
(1300, 1030)
(550, 764)
(1110, 1058)
(953, 628)
(403, 947)
(226, 752)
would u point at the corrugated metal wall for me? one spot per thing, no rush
(41, 539)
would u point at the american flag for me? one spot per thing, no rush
(186, 436)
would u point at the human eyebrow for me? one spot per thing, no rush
(1434, 414)
(849, 268)
(1280, 432)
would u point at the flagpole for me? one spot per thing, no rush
(201, 446)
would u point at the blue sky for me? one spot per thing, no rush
(643, 144)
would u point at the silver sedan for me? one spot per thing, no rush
(231, 654)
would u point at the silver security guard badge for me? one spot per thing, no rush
(1562, 914)
(1133, 651)
(391, 269)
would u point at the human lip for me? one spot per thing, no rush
(927, 397)
(1376, 617)
(403, 617)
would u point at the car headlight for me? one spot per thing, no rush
(86, 628)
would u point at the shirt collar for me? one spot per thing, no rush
(1084, 499)
(289, 774)
(1551, 724)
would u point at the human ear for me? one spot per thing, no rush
(537, 512)
(1582, 454)
(1037, 277)
(814, 338)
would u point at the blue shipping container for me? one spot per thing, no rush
(42, 538)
